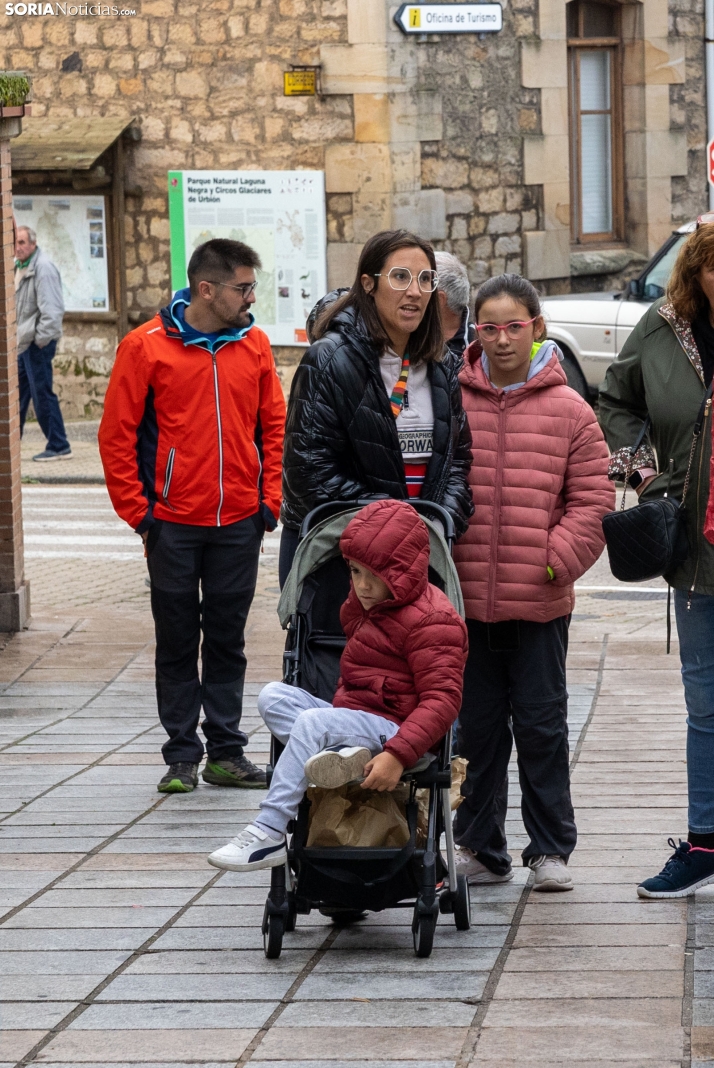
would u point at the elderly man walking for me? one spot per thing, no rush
(454, 291)
(39, 308)
(191, 441)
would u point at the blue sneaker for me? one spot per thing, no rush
(687, 869)
(48, 455)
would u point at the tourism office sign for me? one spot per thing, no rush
(449, 18)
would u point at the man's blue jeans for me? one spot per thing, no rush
(34, 370)
(695, 626)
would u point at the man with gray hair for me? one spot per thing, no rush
(39, 308)
(454, 292)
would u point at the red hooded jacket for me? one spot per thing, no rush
(404, 658)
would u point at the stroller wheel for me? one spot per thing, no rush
(462, 904)
(273, 931)
(291, 918)
(423, 929)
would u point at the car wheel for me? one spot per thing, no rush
(576, 378)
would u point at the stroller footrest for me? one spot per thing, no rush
(350, 853)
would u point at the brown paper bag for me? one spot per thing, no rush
(458, 774)
(351, 816)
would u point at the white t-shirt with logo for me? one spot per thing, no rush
(415, 422)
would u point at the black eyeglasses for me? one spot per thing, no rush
(245, 289)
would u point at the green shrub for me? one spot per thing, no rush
(13, 89)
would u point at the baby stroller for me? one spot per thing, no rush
(353, 879)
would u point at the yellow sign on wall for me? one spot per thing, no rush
(299, 83)
(414, 18)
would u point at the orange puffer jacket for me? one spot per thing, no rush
(189, 435)
(540, 489)
(405, 657)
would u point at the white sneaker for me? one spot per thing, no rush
(249, 850)
(335, 767)
(477, 873)
(551, 873)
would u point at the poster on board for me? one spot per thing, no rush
(280, 214)
(72, 232)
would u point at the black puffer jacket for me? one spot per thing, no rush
(341, 438)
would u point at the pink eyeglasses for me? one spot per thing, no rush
(492, 331)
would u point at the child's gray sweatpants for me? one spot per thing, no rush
(306, 725)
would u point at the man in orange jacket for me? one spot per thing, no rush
(191, 442)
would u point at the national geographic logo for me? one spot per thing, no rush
(75, 10)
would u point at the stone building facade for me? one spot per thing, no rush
(463, 138)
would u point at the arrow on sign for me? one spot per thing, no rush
(449, 18)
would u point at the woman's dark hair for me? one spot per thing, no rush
(426, 343)
(509, 285)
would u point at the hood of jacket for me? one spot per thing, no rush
(347, 324)
(323, 302)
(174, 323)
(544, 371)
(392, 541)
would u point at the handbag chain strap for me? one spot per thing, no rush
(628, 473)
(695, 438)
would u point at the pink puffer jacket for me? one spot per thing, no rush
(540, 486)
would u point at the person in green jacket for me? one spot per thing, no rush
(664, 370)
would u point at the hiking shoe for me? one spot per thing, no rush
(468, 864)
(251, 849)
(551, 874)
(180, 778)
(687, 869)
(43, 457)
(236, 772)
(335, 767)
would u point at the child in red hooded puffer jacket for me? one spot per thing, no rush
(399, 689)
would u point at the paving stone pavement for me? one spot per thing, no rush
(119, 945)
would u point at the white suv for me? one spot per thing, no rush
(591, 328)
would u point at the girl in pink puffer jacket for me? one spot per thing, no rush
(540, 489)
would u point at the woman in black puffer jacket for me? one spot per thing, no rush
(375, 405)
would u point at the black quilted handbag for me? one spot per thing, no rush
(650, 539)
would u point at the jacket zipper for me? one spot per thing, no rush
(495, 525)
(699, 487)
(260, 472)
(168, 475)
(220, 440)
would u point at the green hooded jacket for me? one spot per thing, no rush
(659, 372)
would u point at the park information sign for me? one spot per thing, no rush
(72, 231)
(281, 214)
(449, 18)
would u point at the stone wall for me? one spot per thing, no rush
(478, 161)
(84, 359)
(688, 110)
(464, 138)
(204, 81)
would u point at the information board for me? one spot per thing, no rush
(280, 214)
(71, 231)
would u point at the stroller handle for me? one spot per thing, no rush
(425, 508)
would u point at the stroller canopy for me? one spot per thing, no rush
(323, 544)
